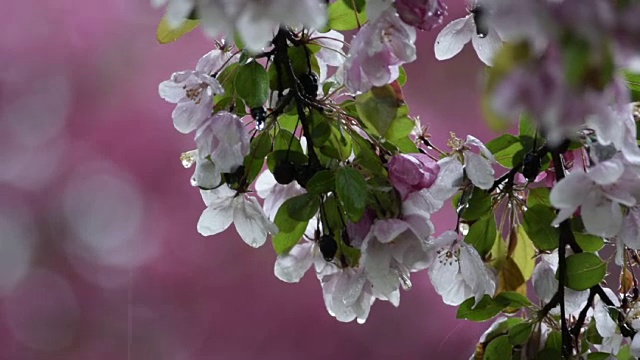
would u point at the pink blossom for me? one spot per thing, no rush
(377, 51)
(225, 140)
(412, 172)
(423, 14)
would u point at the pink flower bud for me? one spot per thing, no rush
(423, 14)
(412, 172)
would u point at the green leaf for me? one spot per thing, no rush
(278, 156)
(633, 80)
(166, 34)
(507, 150)
(479, 205)
(510, 276)
(252, 84)
(589, 242)
(598, 356)
(303, 207)
(537, 224)
(290, 231)
(285, 140)
(512, 299)
(498, 349)
(524, 254)
(261, 145)
(539, 196)
(321, 183)
(351, 189)
(482, 234)
(519, 334)
(526, 127)
(343, 18)
(554, 341)
(337, 146)
(399, 128)
(484, 310)
(299, 63)
(378, 108)
(584, 270)
(332, 215)
(402, 78)
(252, 167)
(549, 354)
(576, 55)
(625, 353)
(358, 5)
(366, 157)
(404, 145)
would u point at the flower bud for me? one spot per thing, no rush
(412, 172)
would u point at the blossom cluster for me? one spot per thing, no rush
(317, 127)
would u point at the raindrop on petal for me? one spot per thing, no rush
(188, 158)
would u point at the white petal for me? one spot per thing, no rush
(376, 7)
(215, 219)
(171, 91)
(478, 170)
(488, 46)
(251, 222)
(222, 196)
(472, 140)
(606, 172)
(376, 260)
(453, 37)
(569, 192)
(292, 266)
(265, 183)
(187, 116)
(544, 281)
(635, 346)
(601, 216)
(475, 273)
(206, 175)
(604, 323)
(448, 181)
(387, 230)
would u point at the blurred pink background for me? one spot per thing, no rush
(99, 253)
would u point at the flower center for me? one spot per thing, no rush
(446, 256)
(195, 93)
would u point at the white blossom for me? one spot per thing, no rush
(275, 194)
(347, 295)
(225, 206)
(457, 272)
(193, 90)
(546, 285)
(606, 326)
(254, 20)
(599, 194)
(457, 33)
(223, 139)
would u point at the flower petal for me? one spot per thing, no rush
(215, 219)
(478, 170)
(251, 222)
(453, 37)
(488, 46)
(292, 266)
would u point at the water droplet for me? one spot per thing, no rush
(482, 36)
(405, 282)
(254, 244)
(194, 182)
(259, 125)
(464, 228)
(188, 158)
